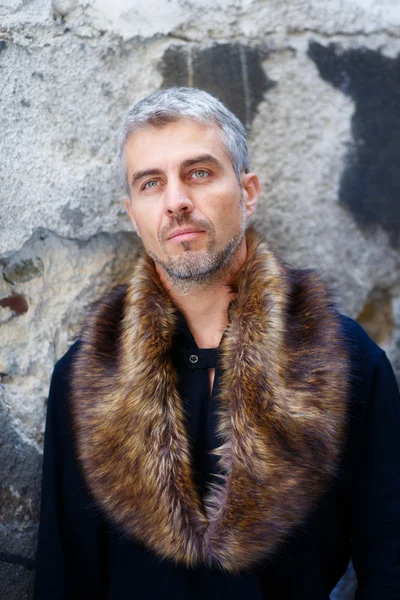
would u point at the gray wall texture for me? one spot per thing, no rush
(317, 84)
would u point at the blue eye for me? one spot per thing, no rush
(150, 184)
(200, 174)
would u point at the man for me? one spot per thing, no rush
(219, 431)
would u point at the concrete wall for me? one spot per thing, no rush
(317, 84)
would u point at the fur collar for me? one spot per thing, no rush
(283, 393)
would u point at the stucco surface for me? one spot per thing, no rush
(317, 85)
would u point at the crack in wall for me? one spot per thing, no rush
(235, 37)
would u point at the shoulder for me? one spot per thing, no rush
(364, 354)
(60, 391)
(63, 365)
(370, 362)
(60, 380)
(369, 369)
(375, 400)
(106, 315)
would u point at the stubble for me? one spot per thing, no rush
(195, 269)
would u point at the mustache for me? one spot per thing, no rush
(185, 220)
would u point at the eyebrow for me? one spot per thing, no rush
(203, 158)
(146, 173)
(189, 162)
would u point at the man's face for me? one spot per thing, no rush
(186, 202)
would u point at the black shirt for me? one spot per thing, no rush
(200, 406)
(82, 555)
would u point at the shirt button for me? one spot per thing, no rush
(193, 359)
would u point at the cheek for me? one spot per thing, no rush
(228, 211)
(145, 221)
(149, 229)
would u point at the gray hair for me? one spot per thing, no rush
(175, 103)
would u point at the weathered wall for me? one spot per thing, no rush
(318, 85)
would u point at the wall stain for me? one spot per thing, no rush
(231, 72)
(73, 216)
(16, 302)
(21, 269)
(370, 182)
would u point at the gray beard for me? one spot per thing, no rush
(200, 269)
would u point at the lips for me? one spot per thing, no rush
(185, 233)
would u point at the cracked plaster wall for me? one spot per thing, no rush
(316, 83)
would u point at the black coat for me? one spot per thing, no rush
(83, 556)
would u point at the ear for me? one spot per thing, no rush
(128, 206)
(251, 191)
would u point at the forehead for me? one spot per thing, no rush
(158, 147)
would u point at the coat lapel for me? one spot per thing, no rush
(283, 408)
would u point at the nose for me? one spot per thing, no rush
(176, 198)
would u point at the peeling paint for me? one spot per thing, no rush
(231, 72)
(370, 185)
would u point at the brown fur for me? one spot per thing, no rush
(283, 393)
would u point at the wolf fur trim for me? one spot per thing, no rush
(283, 398)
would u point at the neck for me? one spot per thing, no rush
(205, 306)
